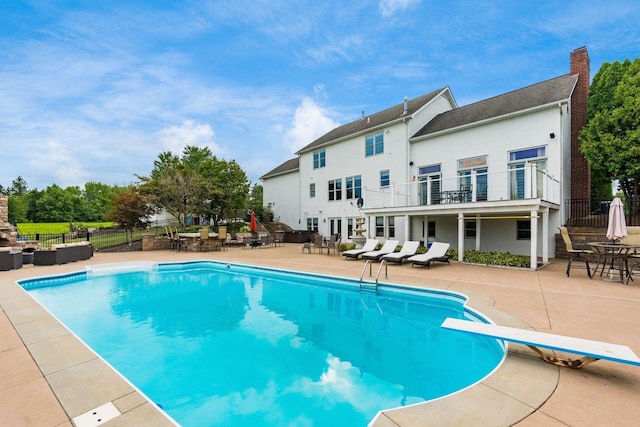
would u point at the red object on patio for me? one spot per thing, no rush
(253, 224)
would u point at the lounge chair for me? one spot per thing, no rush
(370, 245)
(437, 252)
(408, 249)
(388, 247)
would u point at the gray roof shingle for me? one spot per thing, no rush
(372, 121)
(547, 92)
(290, 165)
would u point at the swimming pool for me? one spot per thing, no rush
(219, 344)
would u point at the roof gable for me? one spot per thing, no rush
(291, 165)
(370, 122)
(544, 93)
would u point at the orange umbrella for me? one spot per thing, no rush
(253, 224)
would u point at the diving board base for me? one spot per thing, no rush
(591, 350)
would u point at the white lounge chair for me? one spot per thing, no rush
(592, 350)
(388, 247)
(369, 245)
(408, 249)
(437, 252)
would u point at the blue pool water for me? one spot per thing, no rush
(231, 345)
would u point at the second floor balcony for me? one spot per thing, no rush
(522, 183)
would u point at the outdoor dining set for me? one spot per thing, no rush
(618, 256)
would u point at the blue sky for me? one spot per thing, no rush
(95, 90)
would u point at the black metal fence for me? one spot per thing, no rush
(102, 239)
(595, 212)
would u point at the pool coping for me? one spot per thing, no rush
(83, 381)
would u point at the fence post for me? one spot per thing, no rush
(64, 238)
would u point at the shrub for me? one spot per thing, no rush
(346, 246)
(492, 258)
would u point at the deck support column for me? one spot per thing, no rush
(460, 237)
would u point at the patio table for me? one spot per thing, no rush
(612, 253)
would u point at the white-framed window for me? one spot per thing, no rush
(312, 224)
(374, 144)
(335, 189)
(517, 161)
(319, 159)
(353, 186)
(385, 179)
(350, 227)
(312, 190)
(379, 226)
(391, 226)
(465, 168)
(430, 178)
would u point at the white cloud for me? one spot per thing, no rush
(57, 160)
(175, 138)
(310, 122)
(389, 7)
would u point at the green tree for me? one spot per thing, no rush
(18, 187)
(611, 140)
(97, 198)
(198, 183)
(255, 202)
(18, 200)
(131, 209)
(54, 205)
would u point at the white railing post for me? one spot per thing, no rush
(530, 181)
(474, 187)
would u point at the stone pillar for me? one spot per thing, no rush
(4, 209)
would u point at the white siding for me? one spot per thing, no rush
(283, 193)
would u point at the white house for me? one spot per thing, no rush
(489, 176)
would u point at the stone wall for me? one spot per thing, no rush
(152, 243)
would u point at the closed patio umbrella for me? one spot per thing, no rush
(253, 223)
(617, 223)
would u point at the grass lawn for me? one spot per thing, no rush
(57, 227)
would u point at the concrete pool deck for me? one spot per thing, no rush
(47, 377)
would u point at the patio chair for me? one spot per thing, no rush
(408, 249)
(333, 243)
(247, 241)
(318, 243)
(388, 247)
(203, 240)
(573, 254)
(370, 245)
(437, 252)
(176, 242)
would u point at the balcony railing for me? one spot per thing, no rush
(514, 184)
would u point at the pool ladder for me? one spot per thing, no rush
(372, 286)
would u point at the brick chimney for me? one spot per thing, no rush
(580, 171)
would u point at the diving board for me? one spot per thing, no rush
(591, 350)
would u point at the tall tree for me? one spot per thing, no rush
(197, 183)
(611, 139)
(18, 200)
